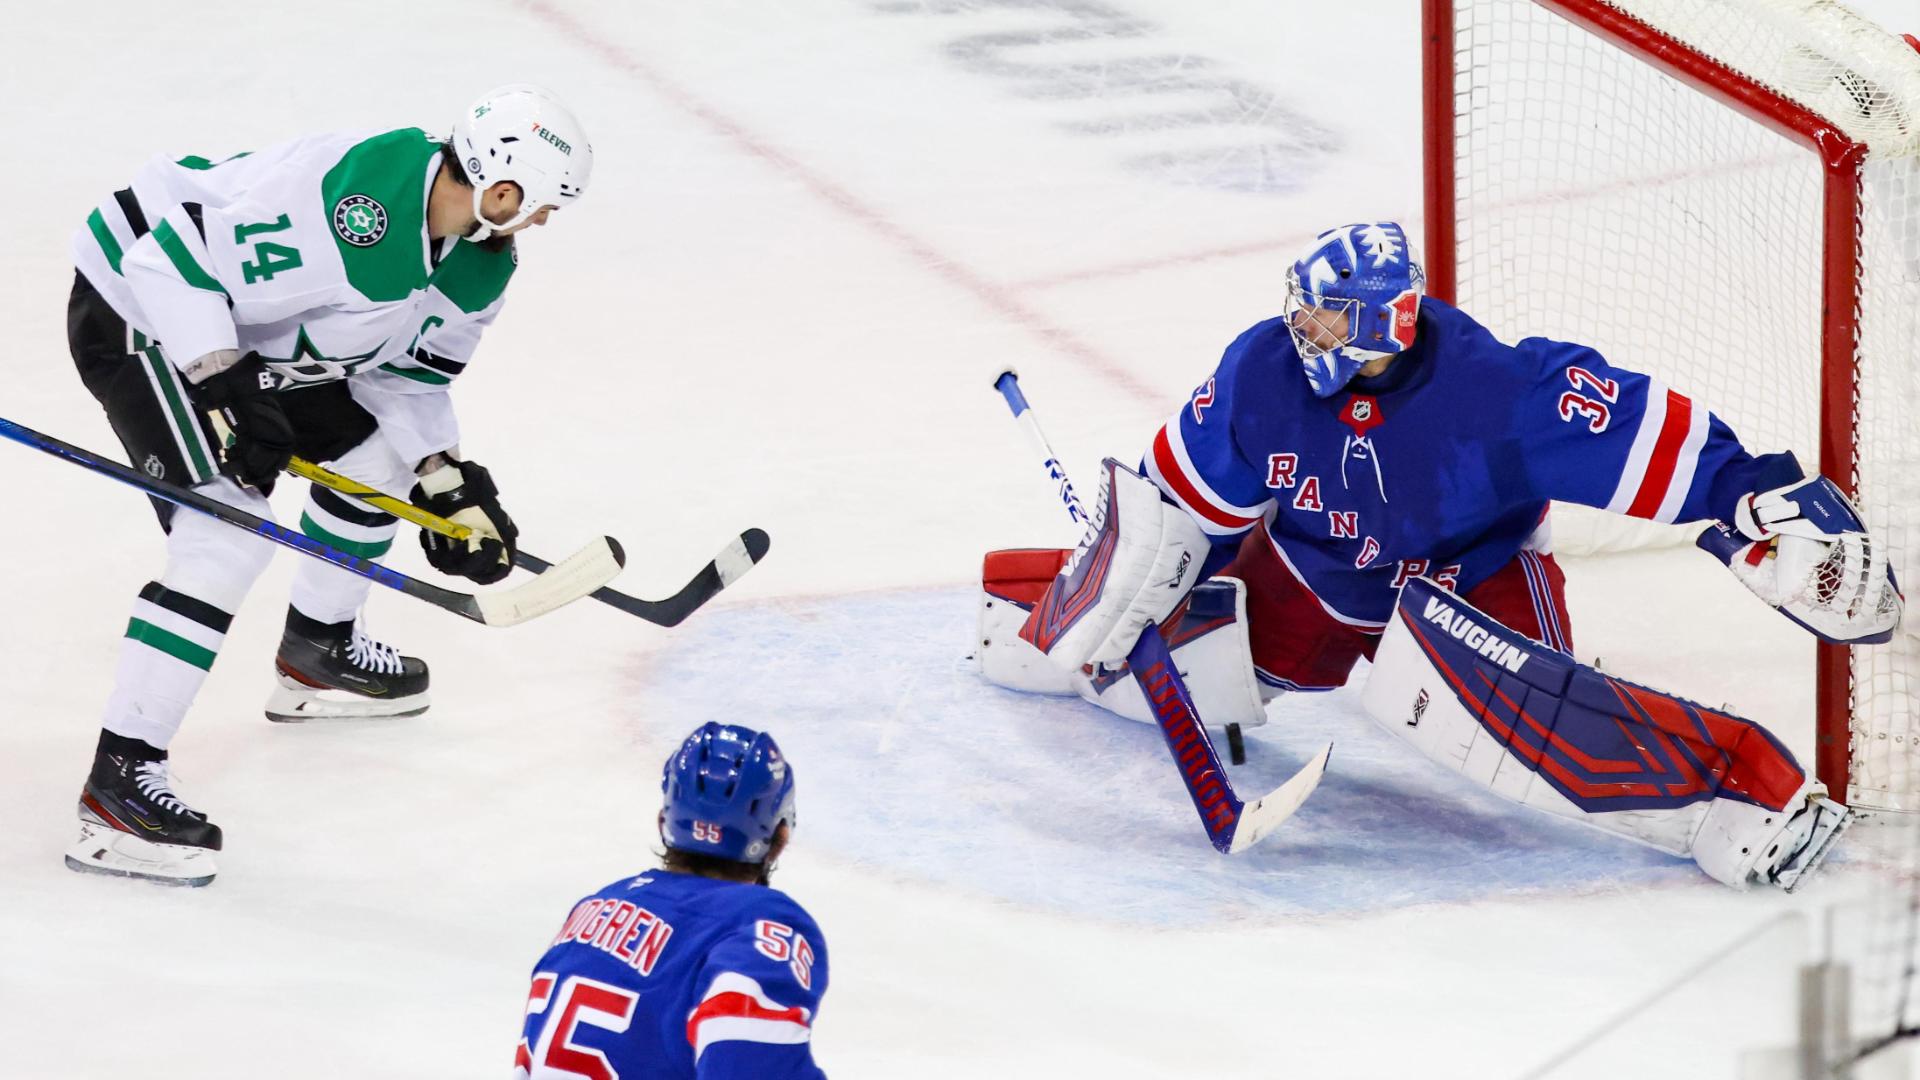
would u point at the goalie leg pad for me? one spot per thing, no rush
(1207, 633)
(1208, 637)
(1011, 583)
(1532, 725)
(1138, 559)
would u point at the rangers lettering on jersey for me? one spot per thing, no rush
(1480, 435)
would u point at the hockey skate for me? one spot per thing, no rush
(1807, 839)
(334, 671)
(133, 825)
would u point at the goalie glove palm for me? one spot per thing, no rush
(464, 493)
(1804, 551)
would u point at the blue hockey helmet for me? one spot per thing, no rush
(728, 790)
(1365, 272)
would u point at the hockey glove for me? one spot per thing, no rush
(257, 435)
(463, 493)
(1803, 550)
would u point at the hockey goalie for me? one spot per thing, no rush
(1368, 475)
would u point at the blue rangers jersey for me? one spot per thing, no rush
(671, 975)
(1442, 465)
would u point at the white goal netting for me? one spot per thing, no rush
(1601, 200)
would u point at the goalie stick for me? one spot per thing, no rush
(733, 561)
(590, 568)
(1232, 826)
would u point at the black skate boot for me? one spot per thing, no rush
(133, 825)
(334, 671)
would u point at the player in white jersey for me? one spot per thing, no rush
(316, 298)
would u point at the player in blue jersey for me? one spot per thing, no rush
(698, 969)
(1371, 435)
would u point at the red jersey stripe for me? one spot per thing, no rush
(1169, 467)
(1665, 459)
(736, 1004)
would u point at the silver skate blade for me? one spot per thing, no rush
(294, 702)
(103, 849)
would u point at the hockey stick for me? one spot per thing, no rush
(734, 560)
(1232, 826)
(593, 566)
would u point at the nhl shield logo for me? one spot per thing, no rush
(155, 467)
(359, 220)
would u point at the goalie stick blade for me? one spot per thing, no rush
(1270, 811)
(574, 577)
(733, 561)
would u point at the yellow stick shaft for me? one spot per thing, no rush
(406, 511)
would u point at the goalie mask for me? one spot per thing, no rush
(1353, 298)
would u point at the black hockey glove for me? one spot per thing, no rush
(463, 492)
(259, 439)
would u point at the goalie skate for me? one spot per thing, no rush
(334, 671)
(1808, 837)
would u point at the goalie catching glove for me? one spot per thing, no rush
(1139, 557)
(1803, 550)
(463, 493)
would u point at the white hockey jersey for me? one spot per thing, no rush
(313, 254)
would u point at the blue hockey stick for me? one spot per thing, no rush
(577, 576)
(1232, 826)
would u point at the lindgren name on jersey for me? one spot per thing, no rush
(1473, 635)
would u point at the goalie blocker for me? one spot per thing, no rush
(1532, 725)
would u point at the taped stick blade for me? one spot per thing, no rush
(570, 579)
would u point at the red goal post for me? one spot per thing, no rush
(1749, 172)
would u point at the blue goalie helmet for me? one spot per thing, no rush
(1353, 298)
(728, 790)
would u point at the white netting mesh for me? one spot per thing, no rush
(1602, 201)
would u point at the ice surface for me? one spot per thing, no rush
(817, 228)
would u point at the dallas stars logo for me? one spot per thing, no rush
(359, 220)
(309, 365)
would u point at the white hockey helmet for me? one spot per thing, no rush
(522, 133)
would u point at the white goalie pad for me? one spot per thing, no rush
(1139, 557)
(1212, 652)
(1533, 726)
(1005, 659)
(1208, 637)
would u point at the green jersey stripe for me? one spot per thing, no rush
(417, 374)
(182, 259)
(364, 549)
(104, 235)
(172, 395)
(170, 643)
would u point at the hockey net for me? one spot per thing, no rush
(1726, 195)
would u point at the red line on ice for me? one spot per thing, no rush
(1002, 300)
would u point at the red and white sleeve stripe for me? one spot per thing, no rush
(1169, 466)
(1666, 451)
(736, 1008)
